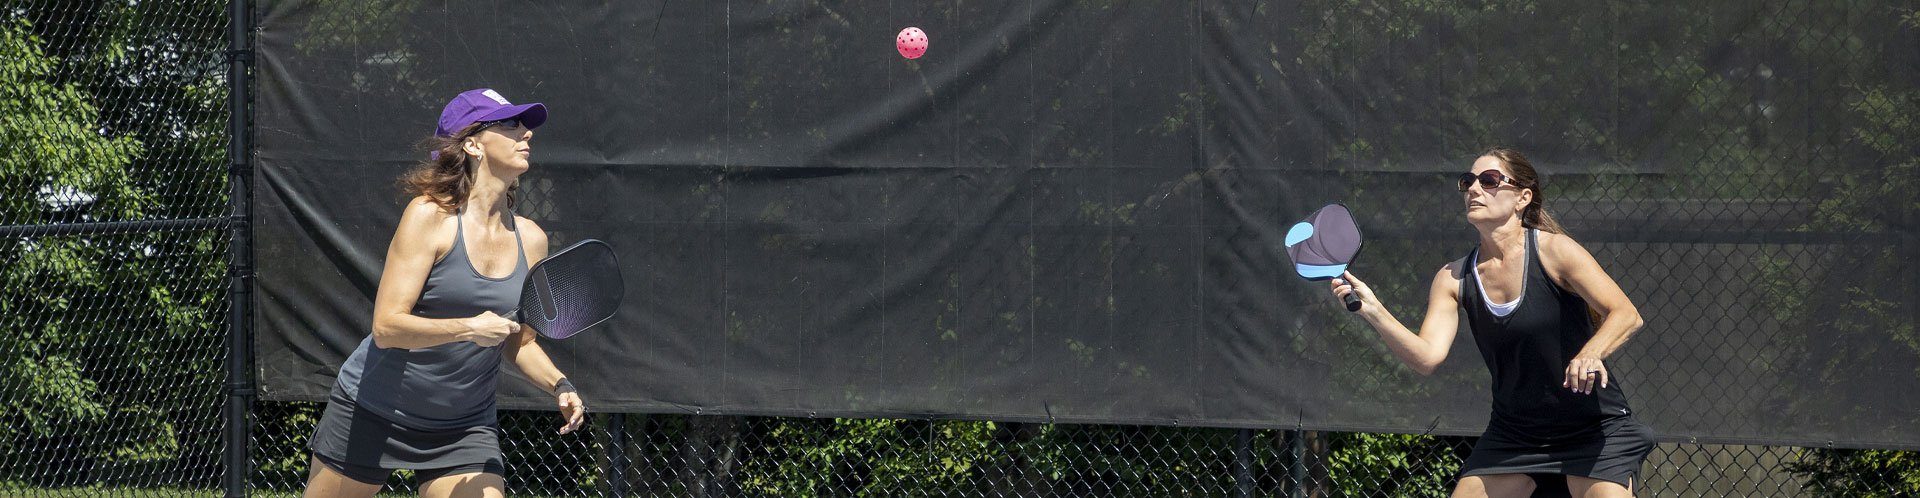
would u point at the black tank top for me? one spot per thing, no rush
(1527, 352)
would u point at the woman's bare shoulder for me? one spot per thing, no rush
(426, 223)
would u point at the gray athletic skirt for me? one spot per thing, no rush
(1613, 452)
(347, 434)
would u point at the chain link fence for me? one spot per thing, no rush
(113, 245)
(688, 455)
(114, 318)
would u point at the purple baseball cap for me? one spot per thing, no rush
(484, 104)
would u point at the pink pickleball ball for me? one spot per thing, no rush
(912, 42)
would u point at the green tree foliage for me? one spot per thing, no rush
(877, 457)
(894, 457)
(54, 146)
(54, 158)
(109, 111)
(1859, 473)
(283, 430)
(1393, 465)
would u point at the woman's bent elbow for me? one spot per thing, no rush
(1425, 368)
(383, 335)
(1634, 322)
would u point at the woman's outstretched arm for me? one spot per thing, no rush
(1422, 351)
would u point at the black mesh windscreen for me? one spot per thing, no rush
(1073, 211)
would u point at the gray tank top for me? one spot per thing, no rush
(444, 387)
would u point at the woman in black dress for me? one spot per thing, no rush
(1546, 317)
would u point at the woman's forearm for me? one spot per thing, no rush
(1613, 332)
(527, 355)
(406, 331)
(1404, 344)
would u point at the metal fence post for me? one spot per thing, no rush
(239, 385)
(617, 455)
(1296, 464)
(1243, 462)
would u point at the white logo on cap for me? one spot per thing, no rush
(496, 97)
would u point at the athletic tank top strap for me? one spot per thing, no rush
(457, 255)
(459, 250)
(1506, 308)
(1533, 273)
(519, 245)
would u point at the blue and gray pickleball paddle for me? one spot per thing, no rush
(1324, 244)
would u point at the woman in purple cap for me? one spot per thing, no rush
(419, 392)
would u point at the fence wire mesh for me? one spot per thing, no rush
(113, 193)
(695, 455)
(113, 316)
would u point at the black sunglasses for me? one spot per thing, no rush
(1489, 180)
(509, 122)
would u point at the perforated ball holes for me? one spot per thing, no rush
(912, 43)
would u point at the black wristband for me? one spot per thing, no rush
(564, 386)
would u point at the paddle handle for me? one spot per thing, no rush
(1352, 299)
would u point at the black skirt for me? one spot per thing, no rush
(354, 436)
(1611, 451)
